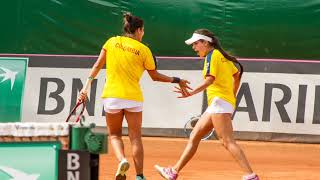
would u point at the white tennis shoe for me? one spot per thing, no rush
(122, 169)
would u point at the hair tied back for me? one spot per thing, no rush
(128, 17)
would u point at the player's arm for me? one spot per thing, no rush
(236, 82)
(150, 65)
(156, 76)
(100, 62)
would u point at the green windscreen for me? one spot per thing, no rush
(246, 28)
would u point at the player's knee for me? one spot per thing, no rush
(115, 136)
(222, 142)
(135, 139)
(226, 142)
(195, 137)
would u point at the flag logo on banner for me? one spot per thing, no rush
(16, 174)
(8, 75)
(12, 79)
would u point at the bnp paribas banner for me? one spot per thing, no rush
(275, 95)
(12, 79)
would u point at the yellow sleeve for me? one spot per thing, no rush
(105, 46)
(234, 69)
(149, 60)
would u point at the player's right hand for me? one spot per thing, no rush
(83, 95)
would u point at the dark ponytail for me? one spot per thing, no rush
(216, 45)
(131, 23)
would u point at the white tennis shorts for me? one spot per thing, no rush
(115, 105)
(219, 105)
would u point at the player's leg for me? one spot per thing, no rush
(203, 127)
(114, 127)
(224, 130)
(134, 120)
(114, 120)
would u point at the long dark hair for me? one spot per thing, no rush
(131, 23)
(216, 45)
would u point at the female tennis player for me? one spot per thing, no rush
(126, 58)
(221, 80)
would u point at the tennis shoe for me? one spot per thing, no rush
(251, 177)
(167, 172)
(122, 169)
(140, 178)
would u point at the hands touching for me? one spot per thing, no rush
(183, 89)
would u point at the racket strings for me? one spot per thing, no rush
(191, 124)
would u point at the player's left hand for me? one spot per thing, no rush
(184, 87)
(183, 91)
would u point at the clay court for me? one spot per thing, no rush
(271, 160)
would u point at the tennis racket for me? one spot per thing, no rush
(191, 123)
(76, 113)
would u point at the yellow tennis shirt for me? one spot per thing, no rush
(222, 69)
(126, 61)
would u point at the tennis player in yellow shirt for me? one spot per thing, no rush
(126, 58)
(221, 80)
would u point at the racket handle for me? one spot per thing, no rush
(82, 110)
(74, 109)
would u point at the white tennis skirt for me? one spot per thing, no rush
(219, 105)
(115, 105)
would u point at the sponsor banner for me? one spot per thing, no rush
(29, 161)
(268, 102)
(278, 102)
(52, 92)
(12, 79)
(277, 96)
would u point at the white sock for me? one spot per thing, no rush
(123, 159)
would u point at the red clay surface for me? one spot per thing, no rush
(272, 161)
